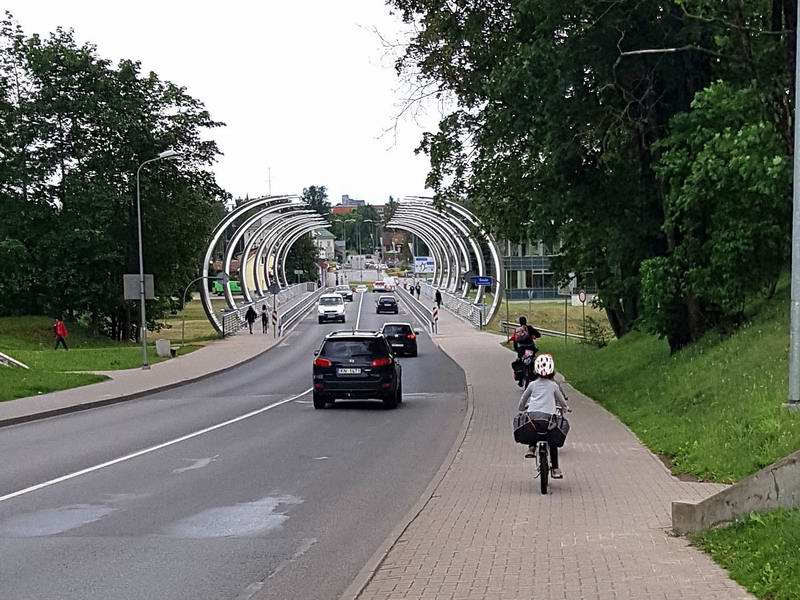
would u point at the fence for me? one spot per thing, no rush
(509, 326)
(233, 320)
(474, 314)
(418, 309)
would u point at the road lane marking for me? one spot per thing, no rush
(138, 453)
(358, 317)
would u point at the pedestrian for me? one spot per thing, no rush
(438, 299)
(250, 316)
(264, 319)
(60, 329)
(419, 290)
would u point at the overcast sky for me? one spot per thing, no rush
(303, 86)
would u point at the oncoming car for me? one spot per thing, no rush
(362, 289)
(331, 308)
(387, 304)
(345, 292)
(356, 364)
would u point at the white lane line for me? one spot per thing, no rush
(138, 453)
(358, 318)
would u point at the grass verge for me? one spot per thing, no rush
(760, 553)
(547, 315)
(715, 408)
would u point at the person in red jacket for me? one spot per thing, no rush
(61, 333)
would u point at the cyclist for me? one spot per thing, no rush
(525, 337)
(540, 400)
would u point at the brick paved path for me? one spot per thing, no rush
(602, 532)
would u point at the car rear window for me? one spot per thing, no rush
(342, 288)
(387, 301)
(395, 329)
(354, 348)
(330, 301)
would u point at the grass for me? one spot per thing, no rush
(715, 408)
(547, 315)
(760, 553)
(198, 329)
(30, 339)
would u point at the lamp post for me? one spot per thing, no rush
(346, 221)
(372, 223)
(166, 155)
(224, 278)
(794, 311)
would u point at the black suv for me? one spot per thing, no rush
(401, 337)
(356, 364)
(387, 304)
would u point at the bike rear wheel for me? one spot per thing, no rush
(544, 466)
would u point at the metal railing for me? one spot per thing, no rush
(298, 310)
(474, 314)
(233, 320)
(508, 326)
(7, 361)
(419, 310)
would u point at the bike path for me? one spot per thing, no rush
(487, 532)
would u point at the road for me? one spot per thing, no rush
(230, 488)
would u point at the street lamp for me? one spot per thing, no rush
(165, 155)
(346, 221)
(370, 235)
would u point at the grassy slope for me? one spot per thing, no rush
(548, 315)
(715, 408)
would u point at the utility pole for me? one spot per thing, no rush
(794, 326)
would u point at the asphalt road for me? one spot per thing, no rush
(249, 492)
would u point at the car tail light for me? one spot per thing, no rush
(322, 362)
(411, 336)
(381, 362)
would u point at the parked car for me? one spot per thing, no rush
(362, 289)
(345, 292)
(331, 308)
(401, 337)
(387, 304)
(356, 364)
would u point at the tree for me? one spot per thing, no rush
(303, 257)
(317, 198)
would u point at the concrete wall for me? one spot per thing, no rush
(776, 486)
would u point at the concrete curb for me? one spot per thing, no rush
(64, 410)
(366, 574)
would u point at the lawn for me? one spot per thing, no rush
(29, 339)
(715, 409)
(547, 315)
(760, 553)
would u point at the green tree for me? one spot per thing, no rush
(303, 257)
(317, 198)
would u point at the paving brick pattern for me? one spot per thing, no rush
(602, 532)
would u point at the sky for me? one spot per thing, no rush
(304, 87)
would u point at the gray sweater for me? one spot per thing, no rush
(542, 395)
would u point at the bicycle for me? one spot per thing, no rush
(542, 455)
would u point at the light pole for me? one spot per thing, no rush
(168, 155)
(224, 277)
(372, 223)
(346, 221)
(794, 325)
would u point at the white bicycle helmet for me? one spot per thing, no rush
(544, 365)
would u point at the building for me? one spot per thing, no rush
(342, 210)
(529, 273)
(324, 240)
(348, 201)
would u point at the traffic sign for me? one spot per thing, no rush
(298, 271)
(274, 288)
(582, 296)
(482, 280)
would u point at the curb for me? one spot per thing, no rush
(354, 590)
(123, 398)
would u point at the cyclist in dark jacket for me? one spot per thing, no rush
(525, 337)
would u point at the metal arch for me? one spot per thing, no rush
(493, 250)
(476, 249)
(216, 235)
(434, 245)
(454, 234)
(296, 218)
(276, 244)
(441, 237)
(272, 219)
(295, 237)
(445, 235)
(411, 228)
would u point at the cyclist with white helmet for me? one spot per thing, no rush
(541, 399)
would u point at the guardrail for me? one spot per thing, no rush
(298, 310)
(474, 314)
(7, 361)
(507, 326)
(420, 310)
(233, 320)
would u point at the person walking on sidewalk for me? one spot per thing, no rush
(540, 400)
(60, 329)
(264, 319)
(418, 290)
(438, 298)
(250, 316)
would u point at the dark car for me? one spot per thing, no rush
(356, 364)
(387, 304)
(401, 337)
(345, 292)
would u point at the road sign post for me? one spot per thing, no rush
(274, 289)
(582, 298)
(435, 313)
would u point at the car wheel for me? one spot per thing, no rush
(390, 401)
(319, 401)
(320, 320)
(400, 393)
(344, 319)
(414, 352)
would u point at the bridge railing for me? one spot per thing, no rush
(233, 320)
(298, 310)
(474, 314)
(418, 308)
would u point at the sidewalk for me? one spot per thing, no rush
(602, 532)
(131, 383)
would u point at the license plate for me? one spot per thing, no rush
(348, 371)
(397, 345)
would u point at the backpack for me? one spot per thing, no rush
(522, 335)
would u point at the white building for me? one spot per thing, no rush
(324, 240)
